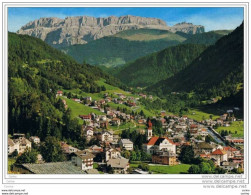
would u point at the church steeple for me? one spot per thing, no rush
(149, 131)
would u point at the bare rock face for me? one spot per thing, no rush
(82, 29)
(188, 28)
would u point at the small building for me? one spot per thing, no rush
(83, 159)
(119, 165)
(23, 144)
(112, 153)
(35, 139)
(105, 136)
(59, 93)
(219, 155)
(115, 121)
(165, 158)
(126, 144)
(203, 148)
(229, 165)
(68, 149)
(12, 146)
(86, 118)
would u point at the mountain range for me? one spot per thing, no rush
(83, 29)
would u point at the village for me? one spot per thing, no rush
(159, 141)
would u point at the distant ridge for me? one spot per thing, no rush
(83, 29)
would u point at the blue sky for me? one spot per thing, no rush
(212, 18)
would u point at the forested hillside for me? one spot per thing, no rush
(123, 47)
(207, 38)
(218, 71)
(152, 68)
(35, 72)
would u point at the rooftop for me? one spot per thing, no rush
(54, 168)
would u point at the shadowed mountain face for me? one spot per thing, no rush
(218, 71)
(83, 29)
(157, 66)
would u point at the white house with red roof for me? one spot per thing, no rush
(219, 155)
(59, 93)
(156, 144)
(86, 118)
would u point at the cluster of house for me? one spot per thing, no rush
(164, 149)
(19, 143)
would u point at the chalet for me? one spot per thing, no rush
(142, 121)
(86, 118)
(231, 152)
(193, 129)
(203, 148)
(82, 159)
(116, 138)
(76, 100)
(224, 117)
(219, 155)
(238, 160)
(229, 165)
(12, 146)
(131, 104)
(184, 117)
(59, 93)
(164, 123)
(180, 128)
(23, 144)
(165, 158)
(111, 115)
(35, 139)
(112, 153)
(103, 124)
(238, 141)
(163, 113)
(95, 149)
(203, 132)
(108, 99)
(88, 132)
(67, 149)
(126, 144)
(219, 121)
(115, 122)
(156, 144)
(105, 136)
(101, 102)
(119, 165)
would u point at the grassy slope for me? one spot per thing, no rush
(79, 109)
(199, 115)
(148, 35)
(235, 126)
(160, 169)
(110, 90)
(176, 169)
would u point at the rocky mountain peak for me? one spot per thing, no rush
(82, 29)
